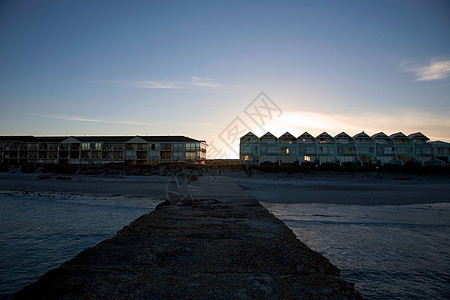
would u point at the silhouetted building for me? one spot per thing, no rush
(101, 149)
(378, 149)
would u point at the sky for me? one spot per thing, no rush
(213, 70)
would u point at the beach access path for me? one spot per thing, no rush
(209, 239)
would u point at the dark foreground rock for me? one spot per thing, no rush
(212, 247)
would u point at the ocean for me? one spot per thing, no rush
(389, 252)
(40, 231)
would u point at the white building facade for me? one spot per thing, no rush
(362, 149)
(76, 150)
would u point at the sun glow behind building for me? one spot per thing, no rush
(180, 68)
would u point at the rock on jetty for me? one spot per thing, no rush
(215, 243)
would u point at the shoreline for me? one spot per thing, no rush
(346, 189)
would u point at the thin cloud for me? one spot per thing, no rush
(155, 85)
(120, 122)
(435, 70)
(146, 84)
(204, 82)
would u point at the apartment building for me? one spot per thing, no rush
(378, 149)
(138, 150)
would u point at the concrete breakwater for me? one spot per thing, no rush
(218, 243)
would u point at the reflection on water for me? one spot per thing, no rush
(38, 232)
(389, 252)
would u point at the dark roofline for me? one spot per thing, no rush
(111, 139)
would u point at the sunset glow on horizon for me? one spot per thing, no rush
(192, 68)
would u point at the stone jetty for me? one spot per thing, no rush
(210, 239)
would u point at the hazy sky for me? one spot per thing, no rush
(192, 67)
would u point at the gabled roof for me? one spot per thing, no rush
(324, 135)
(306, 135)
(268, 135)
(361, 135)
(418, 136)
(137, 140)
(380, 135)
(398, 135)
(249, 134)
(287, 135)
(342, 135)
(70, 140)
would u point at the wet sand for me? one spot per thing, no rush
(363, 189)
(350, 192)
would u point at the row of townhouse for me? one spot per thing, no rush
(361, 149)
(138, 150)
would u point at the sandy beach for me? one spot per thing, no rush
(314, 187)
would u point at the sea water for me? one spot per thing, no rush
(40, 231)
(389, 252)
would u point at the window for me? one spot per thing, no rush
(85, 146)
(177, 156)
(246, 157)
(191, 156)
(178, 147)
(307, 158)
(284, 150)
(165, 147)
(401, 150)
(153, 147)
(191, 146)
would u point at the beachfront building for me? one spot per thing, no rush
(346, 149)
(423, 151)
(326, 148)
(441, 151)
(250, 148)
(307, 148)
(287, 148)
(385, 151)
(403, 147)
(378, 149)
(81, 150)
(364, 148)
(269, 149)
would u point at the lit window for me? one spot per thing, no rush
(287, 150)
(307, 158)
(246, 157)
